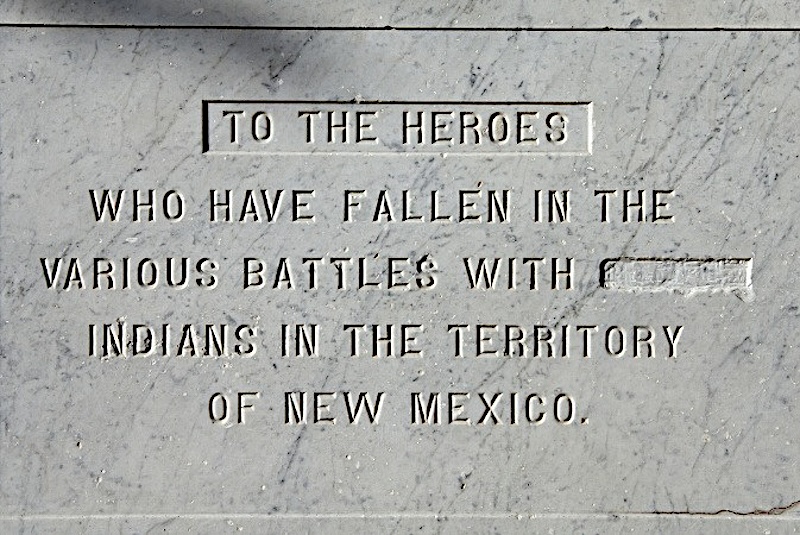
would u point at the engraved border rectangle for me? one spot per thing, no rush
(586, 144)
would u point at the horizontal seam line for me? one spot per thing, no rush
(234, 27)
(724, 514)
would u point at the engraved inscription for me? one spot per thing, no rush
(453, 305)
(293, 127)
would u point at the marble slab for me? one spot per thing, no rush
(516, 281)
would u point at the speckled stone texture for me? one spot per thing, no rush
(692, 430)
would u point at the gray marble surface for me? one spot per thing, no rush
(703, 441)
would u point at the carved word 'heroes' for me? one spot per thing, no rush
(395, 127)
